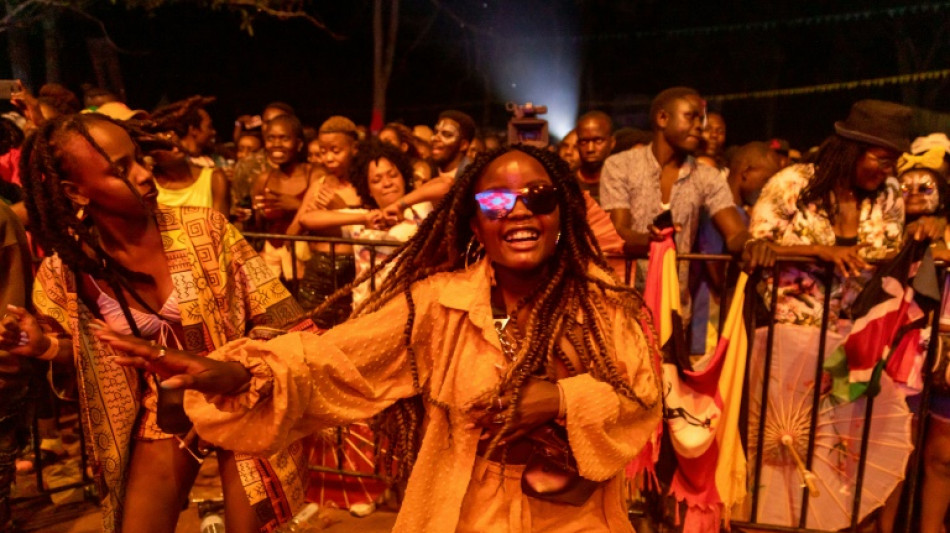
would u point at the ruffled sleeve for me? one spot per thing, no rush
(778, 203)
(303, 382)
(606, 429)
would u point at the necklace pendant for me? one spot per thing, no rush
(502, 323)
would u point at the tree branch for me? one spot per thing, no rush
(13, 15)
(282, 14)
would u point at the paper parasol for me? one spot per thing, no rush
(837, 437)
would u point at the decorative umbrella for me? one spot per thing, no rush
(343, 466)
(832, 480)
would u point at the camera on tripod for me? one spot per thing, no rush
(525, 127)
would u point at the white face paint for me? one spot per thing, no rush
(919, 187)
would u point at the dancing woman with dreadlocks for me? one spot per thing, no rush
(177, 277)
(469, 363)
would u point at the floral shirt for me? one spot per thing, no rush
(779, 217)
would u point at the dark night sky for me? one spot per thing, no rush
(571, 55)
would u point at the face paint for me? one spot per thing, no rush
(921, 196)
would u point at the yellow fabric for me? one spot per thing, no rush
(670, 299)
(731, 466)
(198, 194)
(932, 159)
(357, 369)
(223, 288)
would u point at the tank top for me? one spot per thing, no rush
(198, 194)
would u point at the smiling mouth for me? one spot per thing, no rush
(522, 235)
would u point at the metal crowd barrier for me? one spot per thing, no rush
(910, 496)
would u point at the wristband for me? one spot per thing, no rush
(53, 349)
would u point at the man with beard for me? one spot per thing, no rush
(454, 133)
(594, 143)
(639, 184)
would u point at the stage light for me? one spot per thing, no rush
(534, 60)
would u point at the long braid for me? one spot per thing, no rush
(52, 214)
(569, 295)
(834, 165)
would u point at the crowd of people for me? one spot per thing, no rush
(495, 320)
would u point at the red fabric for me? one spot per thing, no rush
(646, 461)
(376, 123)
(606, 235)
(10, 167)
(904, 365)
(871, 338)
(695, 478)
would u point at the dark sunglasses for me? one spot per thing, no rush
(498, 203)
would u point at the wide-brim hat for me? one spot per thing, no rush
(878, 123)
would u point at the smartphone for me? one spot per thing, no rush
(663, 220)
(8, 87)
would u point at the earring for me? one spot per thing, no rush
(558, 239)
(473, 252)
(81, 213)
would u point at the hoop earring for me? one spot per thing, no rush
(473, 251)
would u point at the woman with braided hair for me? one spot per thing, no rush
(475, 364)
(186, 175)
(176, 277)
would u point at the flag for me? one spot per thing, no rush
(890, 330)
(662, 295)
(702, 415)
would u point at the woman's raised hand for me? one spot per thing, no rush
(178, 369)
(540, 400)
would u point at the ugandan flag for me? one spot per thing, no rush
(890, 326)
(702, 410)
(662, 295)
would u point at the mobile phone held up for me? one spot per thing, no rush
(8, 87)
(663, 220)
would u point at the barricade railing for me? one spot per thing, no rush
(910, 487)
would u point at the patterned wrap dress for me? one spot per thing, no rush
(223, 288)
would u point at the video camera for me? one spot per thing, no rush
(525, 127)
